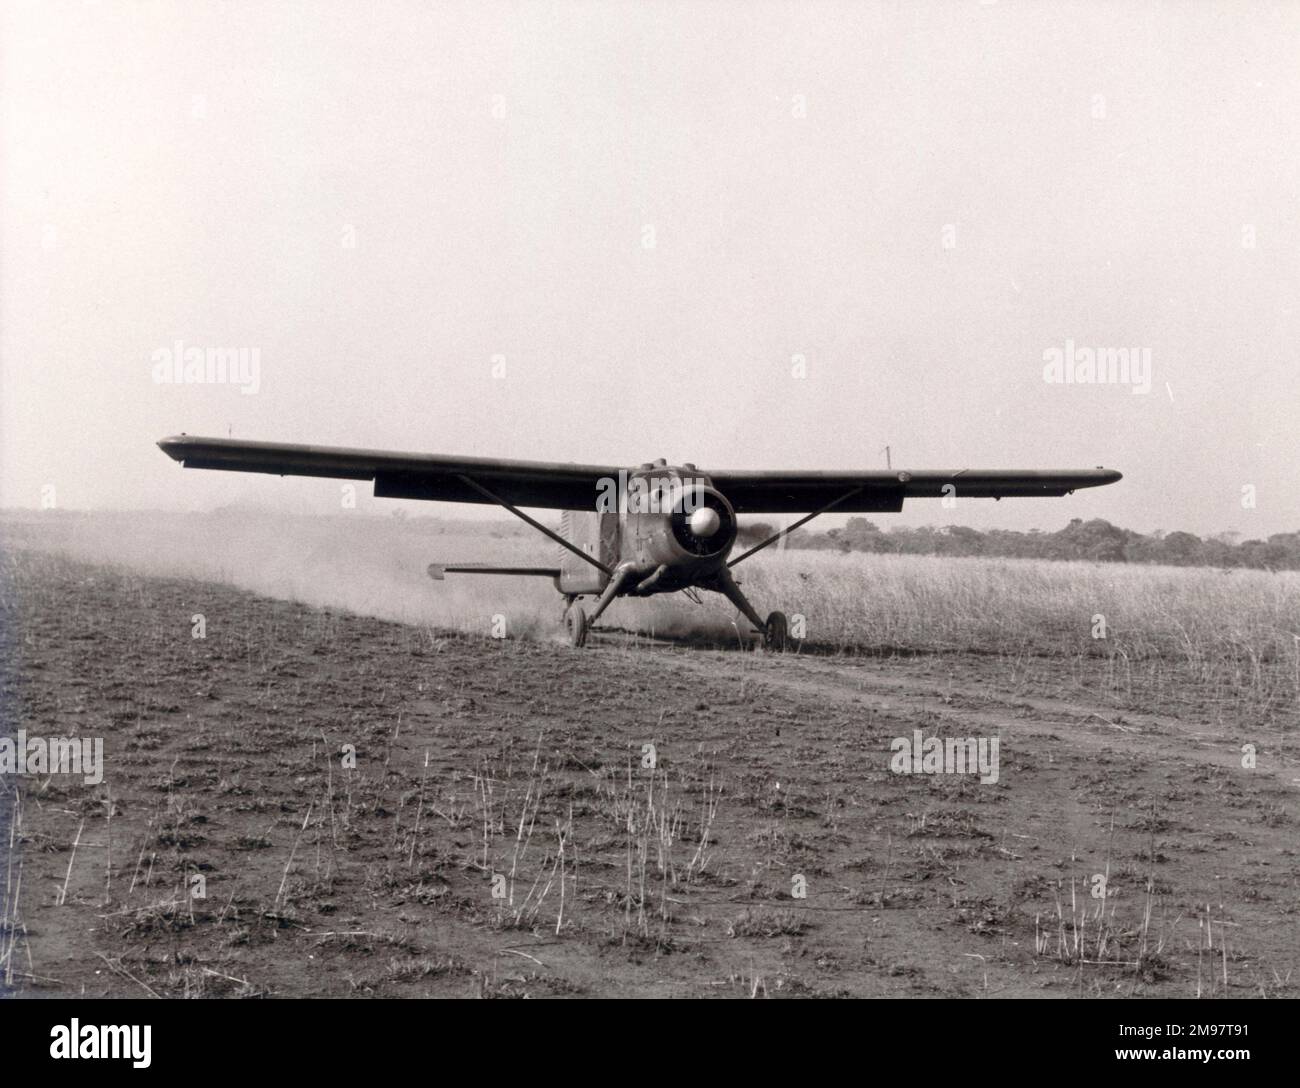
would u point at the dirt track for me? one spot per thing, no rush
(226, 760)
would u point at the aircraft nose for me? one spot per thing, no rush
(705, 522)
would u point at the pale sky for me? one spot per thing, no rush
(658, 214)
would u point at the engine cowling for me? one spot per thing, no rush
(703, 522)
(694, 534)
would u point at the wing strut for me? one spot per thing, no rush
(791, 528)
(534, 523)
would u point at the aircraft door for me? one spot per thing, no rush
(598, 536)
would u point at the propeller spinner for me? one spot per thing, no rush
(704, 522)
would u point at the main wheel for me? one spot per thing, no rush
(575, 624)
(775, 632)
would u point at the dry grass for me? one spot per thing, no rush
(1234, 634)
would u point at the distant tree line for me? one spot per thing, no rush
(1095, 540)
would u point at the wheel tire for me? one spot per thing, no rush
(575, 624)
(775, 633)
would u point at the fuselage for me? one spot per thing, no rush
(666, 525)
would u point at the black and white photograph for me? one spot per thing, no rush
(650, 500)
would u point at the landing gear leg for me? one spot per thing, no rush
(611, 591)
(774, 630)
(577, 622)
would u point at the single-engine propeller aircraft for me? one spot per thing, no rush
(655, 528)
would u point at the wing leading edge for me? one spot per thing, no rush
(566, 486)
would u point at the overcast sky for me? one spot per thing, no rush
(747, 235)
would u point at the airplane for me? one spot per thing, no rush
(629, 532)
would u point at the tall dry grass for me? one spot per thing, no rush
(1007, 605)
(1229, 633)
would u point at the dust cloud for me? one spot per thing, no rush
(371, 566)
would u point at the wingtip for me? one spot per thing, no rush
(173, 446)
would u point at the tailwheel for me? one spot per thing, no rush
(775, 632)
(575, 625)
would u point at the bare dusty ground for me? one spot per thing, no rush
(307, 802)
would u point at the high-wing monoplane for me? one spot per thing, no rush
(629, 532)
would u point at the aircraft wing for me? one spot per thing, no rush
(566, 486)
(546, 484)
(884, 491)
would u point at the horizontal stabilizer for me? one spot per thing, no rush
(438, 570)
